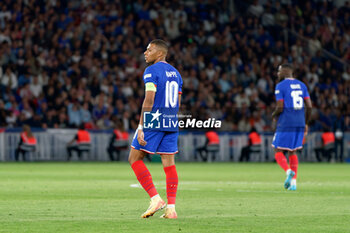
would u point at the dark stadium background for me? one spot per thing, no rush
(63, 63)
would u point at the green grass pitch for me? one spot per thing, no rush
(228, 197)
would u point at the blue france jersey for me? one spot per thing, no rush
(168, 82)
(292, 92)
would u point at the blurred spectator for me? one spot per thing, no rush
(327, 148)
(254, 145)
(118, 142)
(74, 115)
(338, 130)
(256, 9)
(3, 114)
(26, 144)
(80, 143)
(35, 87)
(244, 125)
(85, 114)
(9, 79)
(211, 146)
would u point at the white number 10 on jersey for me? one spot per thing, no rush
(171, 94)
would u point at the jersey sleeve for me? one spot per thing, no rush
(305, 92)
(279, 93)
(180, 85)
(150, 76)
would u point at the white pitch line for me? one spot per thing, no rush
(180, 188)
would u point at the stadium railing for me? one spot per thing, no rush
(52, 145)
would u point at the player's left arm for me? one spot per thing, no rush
(180, 90)
(308, 108)
(179, 100)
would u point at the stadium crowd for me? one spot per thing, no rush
(63, 63)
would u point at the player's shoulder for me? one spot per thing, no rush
(169, 67)
(174, 69)
(151, 69)
(280, 84)
(157, 67)
(300, 83)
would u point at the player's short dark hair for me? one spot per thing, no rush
(161, 43)
(287, 66)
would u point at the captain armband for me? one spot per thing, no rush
(151, 87)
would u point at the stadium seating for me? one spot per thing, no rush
(84, 63)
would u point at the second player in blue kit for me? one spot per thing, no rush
(291, 94)
(291, 122)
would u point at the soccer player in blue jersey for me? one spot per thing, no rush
(291, 95)
(163, 85)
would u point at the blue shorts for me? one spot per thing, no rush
(159, 142)
(288, 138)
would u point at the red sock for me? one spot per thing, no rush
(281, 160)
(293, 161)
(171, 184)
(144, 177)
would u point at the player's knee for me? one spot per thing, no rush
(168, 160)
(134, 156)
(131, 159)
(292, 152)
(278, 150)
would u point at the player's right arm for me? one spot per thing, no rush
(279, 105)
(146, 107)
(150, 80)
